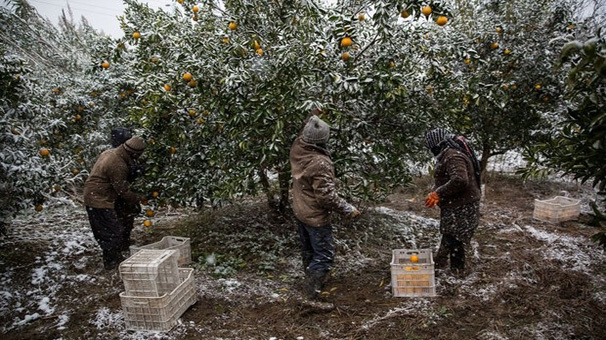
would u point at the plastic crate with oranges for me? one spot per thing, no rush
(412, 273)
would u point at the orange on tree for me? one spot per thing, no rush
(155, 194)
(180, 1)
(187, 76)
(404, 14)
(537, 86)
(507, 51)
(195, 9)
(260, 52)
(345, 56)
(499, 30)
(105, 64)
(225, 40)
(173, 150)
(75, 171)
(44, 152)
(346, 42)
(494, 45)
(256, 45)
(392, 64)
(361, 17)
(136, 35)
(199, 121)
(77, 117)
(192, 83)
(57, 187)
(426, 10)
(167, 87)
(149, 213)
(442, 20)
(147, 223)
(233, 26)
(154, 59)
(38, 207)
(467, 61)
(505, 86)
(192, 112)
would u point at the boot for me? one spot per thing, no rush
(314, 284)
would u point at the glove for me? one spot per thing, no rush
(432, 200)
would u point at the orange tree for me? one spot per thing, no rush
(493, 73)
(223, 90)
(55, 119)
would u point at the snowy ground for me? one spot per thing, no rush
(528, 280)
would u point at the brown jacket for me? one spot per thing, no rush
(314, 189)
(107, 180)
(455, 181)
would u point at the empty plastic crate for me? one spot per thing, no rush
(160, 313)
(412, 279)
(557, 209)
(150, 273)
(182, 244)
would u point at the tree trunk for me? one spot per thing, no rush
(271, 201)
(484, 160)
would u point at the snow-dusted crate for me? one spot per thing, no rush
(182, 244)
(150, 272)
(160, 313)
(557, 209)
(412, 279)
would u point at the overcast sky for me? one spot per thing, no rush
(100, 14)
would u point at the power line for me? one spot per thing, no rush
(85, 10)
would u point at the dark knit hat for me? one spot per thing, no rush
(135, 145)
(316, 131)
(120, 135)
(434, 137)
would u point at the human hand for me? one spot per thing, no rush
(432, 200)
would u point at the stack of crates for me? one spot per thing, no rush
(557, 209)
(157, 292)
(181, 244)
(412, 273)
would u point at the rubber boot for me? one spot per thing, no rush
(315, 283)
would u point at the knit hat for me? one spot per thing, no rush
(135, 145)
(434, 137)
(120, 135)
(316, 131)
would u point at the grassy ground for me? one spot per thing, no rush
(527, 280)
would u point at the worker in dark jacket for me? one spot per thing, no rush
(315, 198)
(125, 211)
(457, 193)
(106, 183)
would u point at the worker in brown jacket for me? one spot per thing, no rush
(315, 198)
(457, 193)
(106, 183)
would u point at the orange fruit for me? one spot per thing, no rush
(414, 258)
(426, 10)
(199, 121)
(494, 45)
(105, 64)
(392, 64)
(192, 112)
(260, 52)
(44, 152)
(205, 113)
(345, 56)
(467, 61)
(233, 26)
(154, 59)
(147, 223)
(167, 88)
(545, 99)
(155, 194)
(441, 21)
(225, 40)
(180, 1)
(256, 45)
(173, 150)
(187, 76)
(346, 42)
(75, 171)
(149, 213)
(429, 89)
(38, 207)
(499, 30)
(404, 14)
(507, 51)
(80, 108)
(192, 83)
(195, 9)
(136, 35)
(537, 86)
(505, 86)
(514, 87)
(77, 118)
(361, 16)
(57, 187)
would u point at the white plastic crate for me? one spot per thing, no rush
(412, 279)
(160, 313)
(150, 272)
(557, 209)
(181, 244)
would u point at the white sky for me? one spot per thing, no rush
(102, 15)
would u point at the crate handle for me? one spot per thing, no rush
(180, 239)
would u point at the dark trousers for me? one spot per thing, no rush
(453, 250)
(108, 232)
(317, 247)
(126, 215)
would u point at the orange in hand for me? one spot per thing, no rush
(432, 200)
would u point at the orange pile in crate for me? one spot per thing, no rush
(412, 273)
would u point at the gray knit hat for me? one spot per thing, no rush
(434, 137)
(135, 145)
(316, 131)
